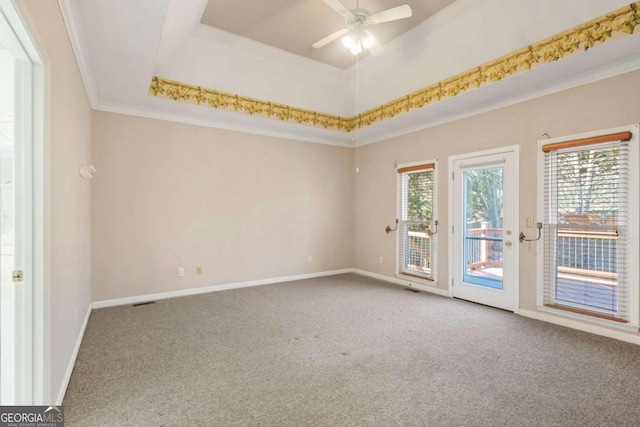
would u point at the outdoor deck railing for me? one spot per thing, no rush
(483, 248)
(585, 252)
(419, 251)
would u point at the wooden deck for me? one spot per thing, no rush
(595, 292)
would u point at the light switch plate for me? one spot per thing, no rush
(531, 222)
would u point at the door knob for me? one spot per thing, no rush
(508, 243)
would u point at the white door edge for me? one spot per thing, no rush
(33, 76)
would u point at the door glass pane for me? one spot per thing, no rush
(7, 227)
(483, 215)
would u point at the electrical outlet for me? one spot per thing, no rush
(531, 222)
(198, 270)
(380, 260)
(310, 259)
(180, 271)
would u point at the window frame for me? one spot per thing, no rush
(401, 208)
(634, 218)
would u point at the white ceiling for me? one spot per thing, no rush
(122, 44)
(294, 25)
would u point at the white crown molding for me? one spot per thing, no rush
(443, 17)
(271, 53)
(76, 36)
(378, 133)
(244, 124)
(431, 24)
(384, 130)
(203, 7)
(403, 124)
(215, 288)
(421, 30)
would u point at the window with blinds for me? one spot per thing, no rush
(416, 214)
(588, 192)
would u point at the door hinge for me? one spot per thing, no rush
(452, 283)
(18, 275)
(453, 175)
(453, 228)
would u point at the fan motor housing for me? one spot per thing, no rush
(361, 18)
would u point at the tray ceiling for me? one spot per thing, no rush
(233, 82)
(293, 25)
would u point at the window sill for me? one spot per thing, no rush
(615, 324)
(417, 279)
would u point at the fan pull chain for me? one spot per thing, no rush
(357, 126)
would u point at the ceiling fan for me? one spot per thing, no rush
(356, 37)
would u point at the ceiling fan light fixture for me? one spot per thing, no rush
(357, 47)
(367, 40)
(357, 38)
(348, 41)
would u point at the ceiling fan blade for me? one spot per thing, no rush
(392, 14)
(375, 48)
(329, 38)
(340, 8)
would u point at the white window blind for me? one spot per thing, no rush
(416, 244)
(586, 233)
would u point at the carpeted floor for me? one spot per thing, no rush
(344, 351)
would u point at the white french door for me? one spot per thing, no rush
(484, 207)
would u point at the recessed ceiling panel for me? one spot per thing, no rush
(294, 25)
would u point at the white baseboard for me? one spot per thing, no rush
(585, 327)
(72, 361)
(215, 288)
(402, 282)
(228, 286)
(545, 317)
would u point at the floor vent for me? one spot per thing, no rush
(144, 303)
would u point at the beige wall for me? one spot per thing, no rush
(247, 207)
(69, 146)
(244, 207)
(608, 103)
